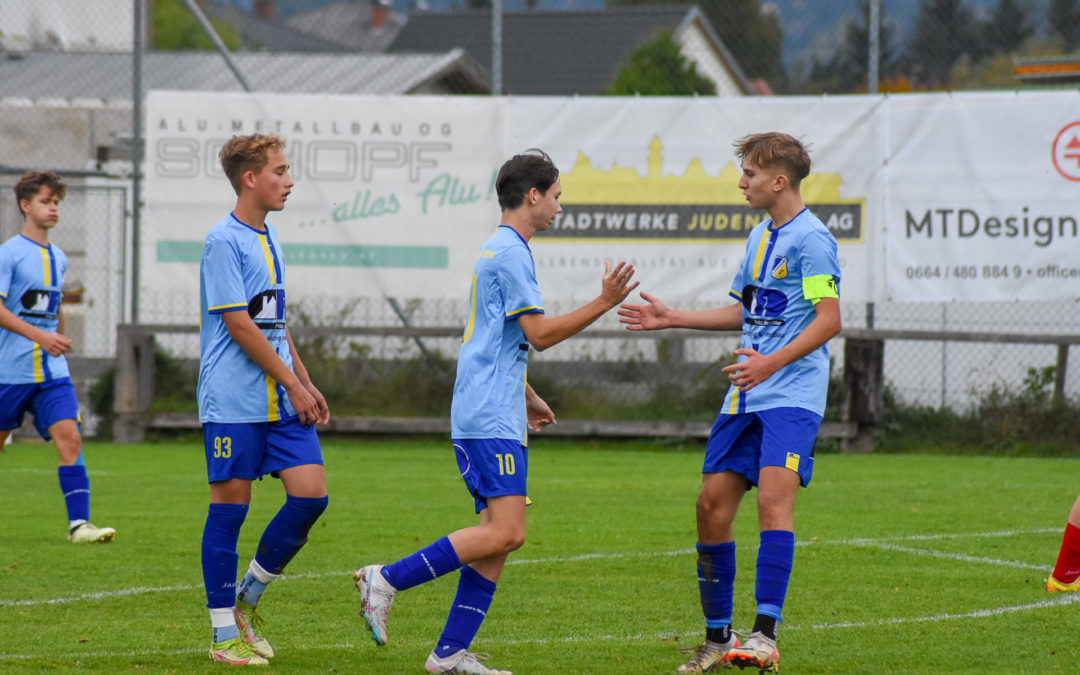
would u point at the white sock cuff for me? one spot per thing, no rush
(222, 617)
(261, 575)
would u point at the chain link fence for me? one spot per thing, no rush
(67, 73)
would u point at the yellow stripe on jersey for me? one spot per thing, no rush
(763, 246)
(522, 310)
(269, 257)
(236, 305)
(471, 323)
(45, 267)
(271, 400)
(818, 287)
(734, 407)
(39, 371)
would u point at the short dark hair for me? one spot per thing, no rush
(521, 173)
(32, 181)
(244, 153)
(774, 149)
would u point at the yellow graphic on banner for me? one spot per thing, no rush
(617, 204)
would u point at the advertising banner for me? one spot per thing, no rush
(930, 197)
(983, 194)
(392, 196)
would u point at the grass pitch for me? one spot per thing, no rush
(903, 563)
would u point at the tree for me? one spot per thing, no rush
(944, 30)
(752, 35)
(1064, 19)
(1009, 26)
(658, 68)
(847, 68)
(174, 29)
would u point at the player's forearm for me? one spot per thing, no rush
(246, 334)
(12, 323)
(298, 365)
(543, 331)
(720, 318)
(820, 330)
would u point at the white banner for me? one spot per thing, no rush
(983, 195)
(393, 196)
(958, 197)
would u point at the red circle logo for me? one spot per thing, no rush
(1066, 152)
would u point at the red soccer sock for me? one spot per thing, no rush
(1068, 562)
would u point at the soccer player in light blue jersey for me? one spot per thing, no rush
(787, 307)
(257, 404)
(34, 374)
(492, 409)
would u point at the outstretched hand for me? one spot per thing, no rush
(616, 282)
(652, 316)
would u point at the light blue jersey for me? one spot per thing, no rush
(489, 394)
(31, 277)
(242, 269)
(785, 272)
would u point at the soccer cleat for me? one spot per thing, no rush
(758, 652)
(1055, 586)
(708, 656)
(376, 596)
(250, 624)
(88, 533)
(235, 652)
(461, 662)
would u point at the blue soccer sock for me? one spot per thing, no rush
(76, 488)
(430, 562)
(474, 594)
(716, 583)
(287, 532)
(773, 572)
(219, 557)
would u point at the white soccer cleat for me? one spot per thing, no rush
(88, 533)
(709, 656)
(461, 662)
(376, 596)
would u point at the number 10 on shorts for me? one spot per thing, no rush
(506, 464)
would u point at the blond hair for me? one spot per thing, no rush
(774, 149)
(247, 153)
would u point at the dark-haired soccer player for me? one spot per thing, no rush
(492, 409)
(33, 371)
(257, 404)
(787, 308)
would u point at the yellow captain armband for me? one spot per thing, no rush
(817, 288)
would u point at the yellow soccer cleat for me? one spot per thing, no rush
(251, 624)
(1055, 586)
(235, 652)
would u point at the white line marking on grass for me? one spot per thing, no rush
(99, 595)
(958, 556)
(1063, 599)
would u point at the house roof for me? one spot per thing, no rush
(257, 33)
(364, 26)
(558, 53)
(107, 76)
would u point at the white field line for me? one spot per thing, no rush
(1057, 601)
(880, 543)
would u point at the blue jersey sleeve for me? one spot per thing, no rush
(742, 274)
(517, 281)
(223, 276)
(7, 271)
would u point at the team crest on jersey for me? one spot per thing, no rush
(779, 270)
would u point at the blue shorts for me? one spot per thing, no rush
(49, 402)
(745, 442)
(492, 467)
(250, 450)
